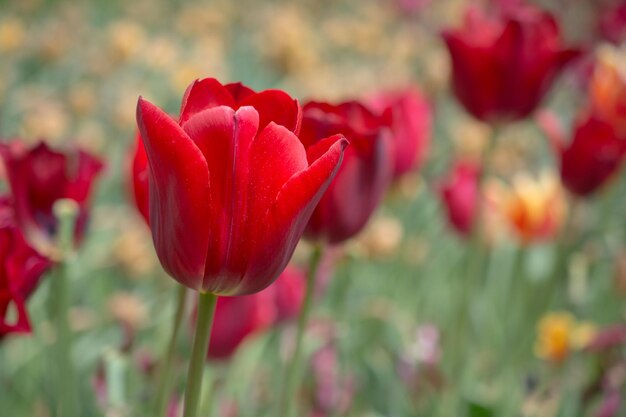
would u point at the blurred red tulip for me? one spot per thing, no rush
(289, 291)
(504, 64)
(459, 193)
(21, 269)
(237, 318)
(231, 186)
(39, 176)
(612, 23)
(607, 338)
(140, 179)
(364, 175)
(594, 154)
(408, 114)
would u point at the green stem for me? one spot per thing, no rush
(59, 307)
(473, 264)
(559, 268)
(475, 253)
(206, 311)
(292, 376)
(514, 300)
(58, 304)
(163, 388)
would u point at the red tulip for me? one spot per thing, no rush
(231, 185)
(39, 176)
(238, 318)
(364, 175)
(612, 23)
(459, 193)
(503, 65)
(409, 116)
(594, 154)
(140, 179)
(289, 291)
(21, 268)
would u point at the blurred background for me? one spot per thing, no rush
(399, 331)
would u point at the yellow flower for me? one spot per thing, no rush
(559, 334)
(12, 34)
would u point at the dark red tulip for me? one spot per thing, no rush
(459, 193)
(504, 64)
(594, 154)
(140, 179)
(364, 175)
(289, 291)
(39, 176)
(237, 319)
(607, 338)
(408, 114)
(21, 268)
(612, 23)
(231, 185)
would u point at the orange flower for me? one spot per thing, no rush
(607, 88)
(559, 334)
(533, 209)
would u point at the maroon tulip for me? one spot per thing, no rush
(612, 23)
(39, 176)
(459, 193)
(503, 65)
(289, 293)
(594, 154)
(238, 318)
(365, 172)
(231, 185)
(409, 116)
(140, 179)
(21, 268)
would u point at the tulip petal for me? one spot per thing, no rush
(179, 195)
(204, 94)
(275, 156)
(224, 137)
(276, 106)
(239, 91)
(277, 233)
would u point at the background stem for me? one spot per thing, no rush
(292, 377)
(58, 305)
(162, 394)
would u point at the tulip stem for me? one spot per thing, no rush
(475, 256)
(559, 267)
(163, 388)
(292, 376)
(475, 250)
(58, 305)
(206, 311)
